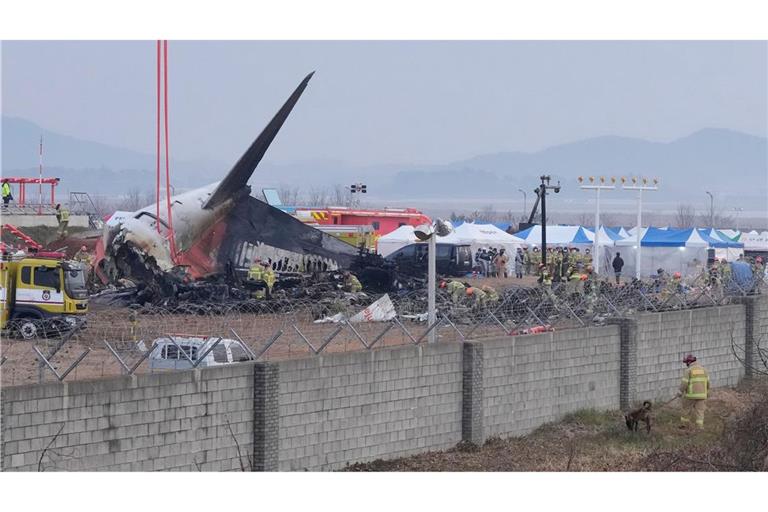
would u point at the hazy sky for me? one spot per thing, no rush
(387, 102)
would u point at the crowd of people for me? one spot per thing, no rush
(562, 262)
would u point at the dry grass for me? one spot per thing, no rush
(592, 440)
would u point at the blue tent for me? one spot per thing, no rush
(557, 235)
(657, 237)
(718, 240)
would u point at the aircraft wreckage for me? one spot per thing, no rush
(217, 229)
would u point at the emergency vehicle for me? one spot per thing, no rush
(41, 291)
(382, 220)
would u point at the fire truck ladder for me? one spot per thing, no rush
(10, 228)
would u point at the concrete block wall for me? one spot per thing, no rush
(361, 406)
(663, 339)
(161, 422)
(324, 412)
(535, 379)
(756, 335)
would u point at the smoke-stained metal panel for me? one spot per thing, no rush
(262, 225)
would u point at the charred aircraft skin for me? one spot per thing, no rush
(220, 226)
(256, 230)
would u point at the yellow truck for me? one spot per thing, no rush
(41, 295)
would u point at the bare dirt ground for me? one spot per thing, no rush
(117, 327)
(21, 366)
(735, 438)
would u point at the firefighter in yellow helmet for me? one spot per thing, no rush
(455, 288)
(694, 389)
(62, 217)
(269, 277)
(491, 295)
(352, 283)
(476, 295)
(82, 256)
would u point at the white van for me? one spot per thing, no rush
(167, 356)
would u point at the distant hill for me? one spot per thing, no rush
(732, 165)
(728, 162)
(90, 166)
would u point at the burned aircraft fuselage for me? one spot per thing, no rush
(219, 227)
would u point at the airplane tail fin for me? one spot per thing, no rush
(238, 177)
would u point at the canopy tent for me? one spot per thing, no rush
(504, 226)
(559, 236)
(480, 236)
(717, 240)
(724, 247)
(674, 250)
(619, 230)
(484, 235)
(398, 238)
(754, 241)
(607, 235)
(731, 234)
(666, 237)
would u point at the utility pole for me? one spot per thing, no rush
(638, 234)
(596, 241)
(711, 210)
(543, 195)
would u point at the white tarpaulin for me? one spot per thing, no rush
(380, 311)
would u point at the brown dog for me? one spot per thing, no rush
(634, 417)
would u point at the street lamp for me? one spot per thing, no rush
(597, 187)
(525, 201)
(738, 211)
(711, 210)
(640, 188)
(430, 232)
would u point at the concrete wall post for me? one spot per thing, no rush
(628, 361)
(266, 416)
(472, 394)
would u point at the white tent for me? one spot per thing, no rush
(674, 250)
(754, 241)
(483, 235)
(623, 233)
(398, 238)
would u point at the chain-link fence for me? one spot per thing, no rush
(120, 340)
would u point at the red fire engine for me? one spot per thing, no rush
(382, 221)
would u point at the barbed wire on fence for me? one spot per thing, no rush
(120, 340)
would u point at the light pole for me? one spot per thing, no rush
(711, 209)
(525, 201)
(640, 188)
(738, 210)
(429, 232)
(596, 241)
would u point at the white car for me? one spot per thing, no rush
(167, 356)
